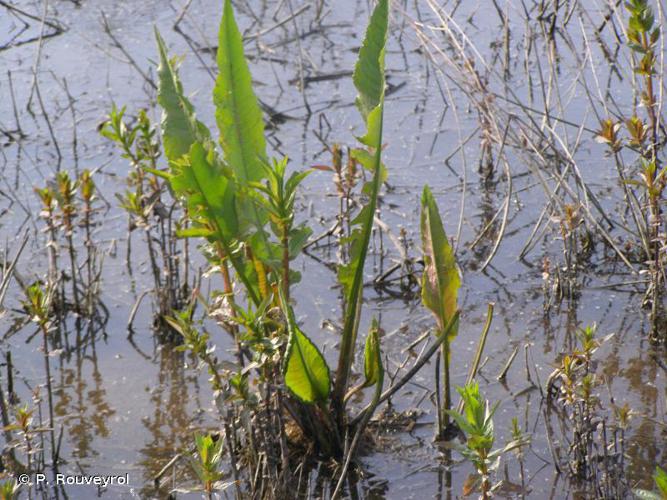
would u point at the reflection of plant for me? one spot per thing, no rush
(660, 478)
(477, 424)
(206, 463)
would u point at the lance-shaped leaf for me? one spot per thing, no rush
(207, 190)
(241, 129)
(440, 281)
(368, 76)
(369, 80)
(305, 370)
(180, 128)
(238, 114)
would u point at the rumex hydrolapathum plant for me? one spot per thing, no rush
(440, 286)
(369, 80)
(240, 204)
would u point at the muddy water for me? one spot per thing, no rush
(130, 406)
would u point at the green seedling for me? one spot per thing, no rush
(660, 478)
(207, 461)
(9, 489)
(476, 422)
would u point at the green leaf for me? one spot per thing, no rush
(661, 481)
(207, 190)
(440, 281)
(195, 232)
(373, 368)
(369, 80)
(180, 128)
(305, 370)
(238, 114)
(368, 76)
(210, 197)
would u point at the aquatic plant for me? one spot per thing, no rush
(9, 489)
(476, 422)
(151, 208)
(69, 209)
(207, 461)
(660, 478)
(644, 39)
(440, 286)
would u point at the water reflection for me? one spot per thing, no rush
(170, 422)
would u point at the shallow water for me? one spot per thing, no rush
(128, 407)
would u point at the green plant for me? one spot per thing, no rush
(477, 424)
(440, 286)
(644, 41)
(240, 204)
(230, 198)
(9, 489)
(151, 208)
(37, 306)
(660, 478)
(207, 461)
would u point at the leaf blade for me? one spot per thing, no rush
(440, 280)
(305, 371)
(238, 114)
(180, 128)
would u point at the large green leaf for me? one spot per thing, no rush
(180, 128)
(305, 370)
(368, 76)
(440, 281)
(238, 114)
(209, 193)
(207, 190)
(369, 80)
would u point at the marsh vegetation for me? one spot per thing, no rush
(313, 250)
